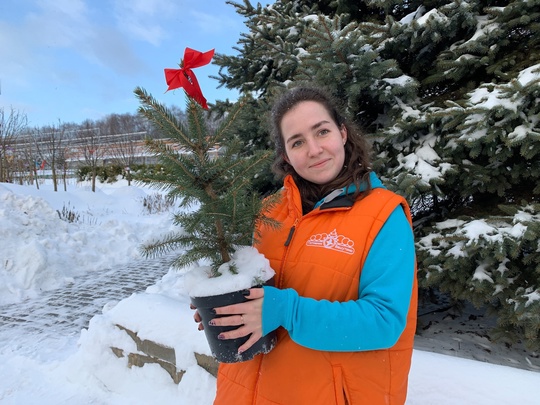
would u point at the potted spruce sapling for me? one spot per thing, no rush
(207, 172)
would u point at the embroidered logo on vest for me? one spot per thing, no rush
(332, 241)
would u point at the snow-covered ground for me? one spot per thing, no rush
(39, 251)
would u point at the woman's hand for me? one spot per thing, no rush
(247, 315)
(197, 317)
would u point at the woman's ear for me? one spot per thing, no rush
(285, 158)
(343, 131)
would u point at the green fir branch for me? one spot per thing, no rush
(221, 185)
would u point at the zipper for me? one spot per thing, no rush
(291, 232)
(286, 251)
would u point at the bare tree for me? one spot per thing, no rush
(50, 143)
(123, 135)
(124, 150)
(12, 125)
(91, 147)
(27, 154)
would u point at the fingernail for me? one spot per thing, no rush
(240, 351)
(245, 293)
(211, 322)
(221, 337)
(212, 311)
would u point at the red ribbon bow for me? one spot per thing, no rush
(184, 77)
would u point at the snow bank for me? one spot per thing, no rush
(42, 250)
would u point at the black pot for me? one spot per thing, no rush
(226, 351)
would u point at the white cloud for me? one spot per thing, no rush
(139, 18)
(61, 35)
(60, 23)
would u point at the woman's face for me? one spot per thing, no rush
(314, 144)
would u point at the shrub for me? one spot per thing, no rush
(156, 203)
(68, 214)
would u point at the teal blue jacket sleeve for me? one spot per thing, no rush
(375, 321)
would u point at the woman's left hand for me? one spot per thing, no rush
(247, 315)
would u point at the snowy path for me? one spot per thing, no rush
(46, 321)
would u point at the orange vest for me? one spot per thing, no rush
(295, 375)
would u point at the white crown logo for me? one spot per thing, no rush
(332, 241)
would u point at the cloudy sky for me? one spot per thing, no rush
(71, 60)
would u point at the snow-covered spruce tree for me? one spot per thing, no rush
(448, 91)
(205, 170)
(468, 153)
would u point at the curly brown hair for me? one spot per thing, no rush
(357, 151)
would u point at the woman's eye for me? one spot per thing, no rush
(296, 144)
(323, 131)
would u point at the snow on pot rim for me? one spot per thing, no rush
(253, 269)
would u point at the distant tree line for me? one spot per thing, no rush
(113, 141)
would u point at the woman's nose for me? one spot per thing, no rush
(314, 148)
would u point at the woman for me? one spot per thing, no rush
(344, 301)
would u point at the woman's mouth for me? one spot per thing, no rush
(319, 164)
